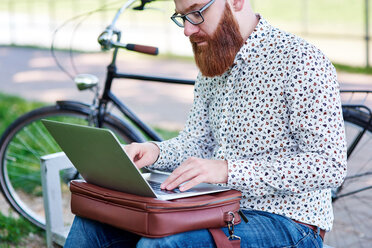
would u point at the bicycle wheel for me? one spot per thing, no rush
(352, 202)
(21, 147)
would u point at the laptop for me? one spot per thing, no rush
(101, 160)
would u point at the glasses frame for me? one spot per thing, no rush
(185, 16)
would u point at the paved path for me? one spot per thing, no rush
(33, 74)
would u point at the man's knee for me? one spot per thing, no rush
(196, 238)
(156, 242)
(90, 233)
(79, 233)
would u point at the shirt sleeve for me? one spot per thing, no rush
(316, 124)
(196, 139)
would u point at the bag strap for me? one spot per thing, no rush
(221, 240)
(219, 236)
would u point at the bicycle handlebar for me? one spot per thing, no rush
(106, 37)
(120, 11)
(137, 48)
(143, 49)
(142, 5)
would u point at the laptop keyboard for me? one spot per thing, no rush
(156, 187)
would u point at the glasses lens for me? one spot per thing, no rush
(195, 17)
(178, 20)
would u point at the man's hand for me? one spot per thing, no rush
(195, 171)
(142, 154)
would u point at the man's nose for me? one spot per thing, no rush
(190, 29)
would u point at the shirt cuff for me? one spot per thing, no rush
(161, 158)
(242, 176)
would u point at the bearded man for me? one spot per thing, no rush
(266, 120)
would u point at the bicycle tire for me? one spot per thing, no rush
(352, 208)
(20, 152)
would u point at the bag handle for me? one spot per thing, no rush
(219, 236)
(221, 240)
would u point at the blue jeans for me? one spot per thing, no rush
(263, 230)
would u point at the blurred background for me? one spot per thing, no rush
(339, 27)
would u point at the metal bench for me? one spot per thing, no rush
(51, 165)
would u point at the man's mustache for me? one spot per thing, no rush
(198, 38)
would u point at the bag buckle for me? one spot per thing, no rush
(230, 226)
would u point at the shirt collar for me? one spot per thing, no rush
(252, 44)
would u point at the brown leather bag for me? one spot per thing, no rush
(151, 217)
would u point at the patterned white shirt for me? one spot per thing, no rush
(275, 116)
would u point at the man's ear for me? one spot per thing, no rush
(237, 5)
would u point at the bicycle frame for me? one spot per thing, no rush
(108, 95)
(106, 42)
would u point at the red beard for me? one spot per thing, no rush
(215, 57)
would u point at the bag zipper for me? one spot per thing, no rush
(242, 215)
(195, 206)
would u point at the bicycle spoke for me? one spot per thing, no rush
(23, 166)
(26, 181)
(46, 138)
(25, 141)
(12, 157)
(361, 168)
(28, 148)
(37, 143)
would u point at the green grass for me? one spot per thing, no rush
(11, 107)
(353, 69)
(345, 12)
(100, 10)
(14, 230)
(166, 134)
(339, 11)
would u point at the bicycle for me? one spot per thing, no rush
(20, 150)
(352, 201)
(26, 140)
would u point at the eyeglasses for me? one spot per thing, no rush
(194, 17)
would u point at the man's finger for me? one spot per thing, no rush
(170, 179)
(132, 153)
(184, 177)
(192, 183)
(175, 174)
